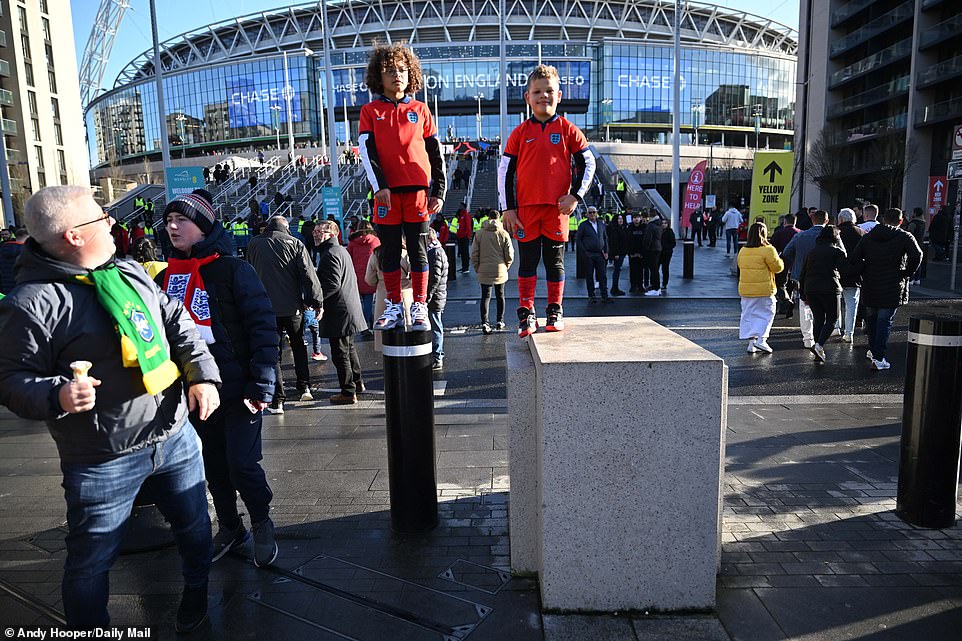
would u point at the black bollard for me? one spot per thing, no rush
(409, 409)
(931, 423)
(449, 250)
(924, 268)
(688, 268)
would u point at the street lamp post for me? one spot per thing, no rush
(696, 109)
(711, 166)
(480, 96)
(290, 115)
(183, 136)
(606, 112)
(277, 124)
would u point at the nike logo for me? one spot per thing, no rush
(530, 140)
(380, 117)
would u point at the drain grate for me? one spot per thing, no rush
(357, 603)
(476, 576)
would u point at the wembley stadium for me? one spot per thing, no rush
(226, 85)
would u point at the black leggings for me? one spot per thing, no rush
(532, 252)
(665, 261)
(416, 236)
(486, 301)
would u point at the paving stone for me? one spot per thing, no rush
(673, 629)
(578, 628)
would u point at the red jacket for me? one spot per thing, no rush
(465, 224)
(361, 246)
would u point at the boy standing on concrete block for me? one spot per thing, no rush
(538, 192)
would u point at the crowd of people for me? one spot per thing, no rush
(840, 268)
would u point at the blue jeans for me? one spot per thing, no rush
(617, 261)
(99, 500)
(731, 238)
(367, 305)
(878, 323)
(850, 297)
(437, 328)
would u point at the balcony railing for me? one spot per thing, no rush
(942, 31)
(4, 68)
(883, 23)
(848, 10)
(898, 51)
(3, 38)
(871, 129)
(930, 4)
(6, 97)
(939, 112)
(873, 96)
(13, 156)
(945, 70)
(8, 126)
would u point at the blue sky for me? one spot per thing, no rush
(177, 16)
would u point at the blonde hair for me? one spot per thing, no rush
(546, 72)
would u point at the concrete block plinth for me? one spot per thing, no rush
(628, 443)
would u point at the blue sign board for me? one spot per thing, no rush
(249, 100)
(331, 202)
(183, 180)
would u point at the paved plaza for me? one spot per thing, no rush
(811, 548)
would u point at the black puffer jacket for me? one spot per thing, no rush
(618, 239)
(242, 320)
(851, 236)
(652, 240)
(886, 257)
(9, 253)
(438, 277)
(820, 273)
(51, 320)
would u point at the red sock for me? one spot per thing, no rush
(392, 285)
(526, 286)
(556, 291)
(419, 283)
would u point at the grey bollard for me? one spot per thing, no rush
(409, 413)
(688, 269)
(931, 423)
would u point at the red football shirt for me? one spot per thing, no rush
(543, 154)
(398, 130)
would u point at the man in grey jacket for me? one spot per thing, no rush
(794, 256)
(124, 421)
(284, 266)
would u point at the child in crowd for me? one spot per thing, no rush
(311, 337)
(402, 158)
(538, 193)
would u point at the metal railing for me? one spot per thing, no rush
(942, 31)
(474, 175)
(872, 28)
(879, 94)
(9, 126)
(942, 71)
(869, 129)
(848, 10)
(899, 50)
(930, 114)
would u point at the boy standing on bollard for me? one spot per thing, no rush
(538, 193)
(402, 158)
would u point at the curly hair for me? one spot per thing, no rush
(546, 72)
(384, 56)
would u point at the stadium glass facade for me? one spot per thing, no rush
(618, 87)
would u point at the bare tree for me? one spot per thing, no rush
(828, 164)
(896, 159)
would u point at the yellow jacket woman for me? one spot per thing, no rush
(758, 262)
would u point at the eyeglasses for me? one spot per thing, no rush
(392, 71)
(105, 217)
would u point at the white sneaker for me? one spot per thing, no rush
(836, 332)
(762, 345)
(751, 346)
(419, 317)
(868, 355)
(391, 317)
(808, 344)
(306, 395)
(880, 365)
(653, 292)
(819, 352)
(846, 338)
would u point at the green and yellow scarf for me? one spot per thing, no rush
(141, 342)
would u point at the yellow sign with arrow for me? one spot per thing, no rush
(771, 186)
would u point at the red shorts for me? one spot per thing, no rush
(406, 207)
(542, 220)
